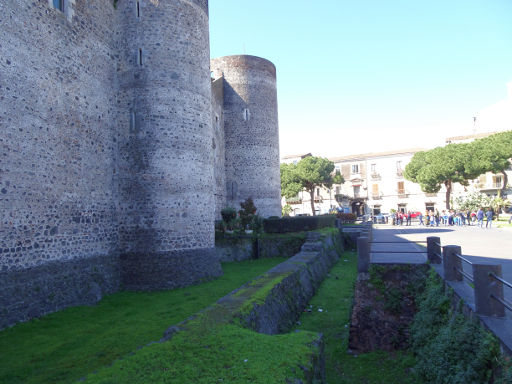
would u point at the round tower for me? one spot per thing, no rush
(166, 214)
(251, 131)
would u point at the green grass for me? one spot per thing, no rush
(65, 346)
(503, 222)
(224, 353)
(334, 298)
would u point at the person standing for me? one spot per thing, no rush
(420, 216)
(488, 214)
(480, 217)
(409, 218)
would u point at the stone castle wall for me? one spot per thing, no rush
(251, 131)
(218, 146)
(57, 124)
(114, 164)
(166, 162)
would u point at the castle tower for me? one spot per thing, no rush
(251, 131)
(166, 215)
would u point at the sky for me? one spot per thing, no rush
(372, 75)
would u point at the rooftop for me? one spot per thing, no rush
(370, 155)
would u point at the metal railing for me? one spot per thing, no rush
(486, 278)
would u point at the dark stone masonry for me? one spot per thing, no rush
(118, 150)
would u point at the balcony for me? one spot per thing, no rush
(296, 200)
(376, 197)
(431, 194)
(375, 176)
(399, 173)
(402, 194)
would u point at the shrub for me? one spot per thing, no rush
(256, 223)
(449, 348)
(220, 225)
(228, 214)
(298, 224)
(346, 216)
(247, 212)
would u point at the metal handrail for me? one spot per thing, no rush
(500, 279)
(439, 255)
(463, 259)
(465, 274)
(506, 303)
(436, 243)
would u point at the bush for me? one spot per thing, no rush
(449, 348)
(247, 212)
(298, 224)
(346, 216)
(228, 214)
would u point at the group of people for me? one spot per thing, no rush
(446, 217)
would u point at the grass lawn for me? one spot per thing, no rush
(334, 299)
(503, 222)
(65, 346)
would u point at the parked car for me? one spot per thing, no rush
(381, 218)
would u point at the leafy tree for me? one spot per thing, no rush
(497, 203)
(441, 166)
(308, 174)
(491, 154)
(286, 210)
(473, 201)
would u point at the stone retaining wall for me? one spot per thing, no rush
(50, 287)
(273, 302)
(245, 247)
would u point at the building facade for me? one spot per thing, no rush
(374, 183)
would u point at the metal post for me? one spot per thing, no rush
(451, 263)
(363, 254)
(434, 249)
(485, 285)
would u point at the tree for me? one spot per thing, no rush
(308, 174)
(497, 203)
(472, 201)
(492, 154)
(441, 166)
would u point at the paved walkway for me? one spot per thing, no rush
(493, 244)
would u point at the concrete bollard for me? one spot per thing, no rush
(434, 249)
(485, 285)
(451, 263)
(363, 254)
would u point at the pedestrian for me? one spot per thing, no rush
(432, 218)
(489, 215)
(480, 217)
(436, 217)
(420, 216)
(409, 218)
(468, 217)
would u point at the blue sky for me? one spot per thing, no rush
(360, 76)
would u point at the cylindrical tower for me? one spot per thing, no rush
(251, 131)
(166, 204)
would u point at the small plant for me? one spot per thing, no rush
(247, 212)
(220, 225)
(286, 210)
(257, 224)
(346, 216)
